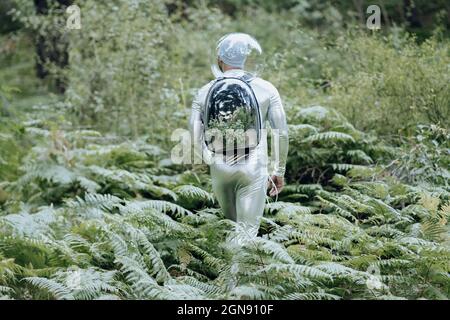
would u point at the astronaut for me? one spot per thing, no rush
(240, 186)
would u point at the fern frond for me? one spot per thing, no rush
(158, 205)
(157, 264)
(311, 296)
(298, 271)
(195, 193)
(56, 289)
(103, 201)
(359, 156)
(329, 136)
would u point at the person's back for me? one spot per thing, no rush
(240, 185)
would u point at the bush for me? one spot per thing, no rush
(390, 84)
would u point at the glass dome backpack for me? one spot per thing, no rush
(232, 121)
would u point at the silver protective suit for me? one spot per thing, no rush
(240, 185)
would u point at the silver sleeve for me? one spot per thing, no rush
(280, 136)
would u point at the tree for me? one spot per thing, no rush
(51, 47)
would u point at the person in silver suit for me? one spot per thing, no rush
(240, 186)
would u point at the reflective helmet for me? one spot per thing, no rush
(238, 50)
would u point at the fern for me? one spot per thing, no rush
(193, 192)
(104, 221)
(103, 201)
(158, 205)
(311, 296)
(330, 136)
(57, 290)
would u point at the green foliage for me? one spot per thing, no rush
(231, 129)
(112, 233)
(426, 158)
(394, 83)
(135, 79)
(333, 146)
(92, 208)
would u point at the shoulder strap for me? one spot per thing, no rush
(247, 77)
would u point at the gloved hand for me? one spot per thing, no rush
(279, 183)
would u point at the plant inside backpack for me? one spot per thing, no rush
(232, 127)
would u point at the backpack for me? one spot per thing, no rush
(232, 118)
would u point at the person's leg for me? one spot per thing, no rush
(250, 201)
(240, 188)
(224, 190)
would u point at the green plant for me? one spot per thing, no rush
(425, 157)
(93, 209)
(131, 230)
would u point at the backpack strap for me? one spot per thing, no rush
(247, 77)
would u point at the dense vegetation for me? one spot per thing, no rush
(92, 207)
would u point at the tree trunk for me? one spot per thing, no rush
(51, 47)
(412, 14)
